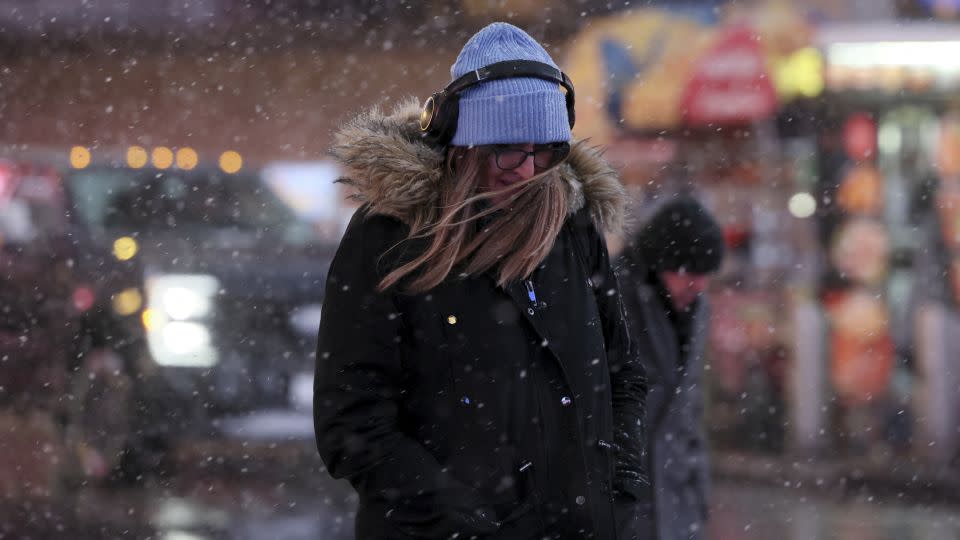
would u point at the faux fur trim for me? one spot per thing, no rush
(394, 171)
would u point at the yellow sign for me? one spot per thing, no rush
(800, 74)
(631, 71)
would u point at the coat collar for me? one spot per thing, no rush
(395, 171)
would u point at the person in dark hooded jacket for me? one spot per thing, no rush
(664, 272)
(474, 375)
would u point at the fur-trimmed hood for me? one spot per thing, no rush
(392, 168)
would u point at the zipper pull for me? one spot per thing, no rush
(531, 294)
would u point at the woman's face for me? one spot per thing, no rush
(494, 177)
(509, 164)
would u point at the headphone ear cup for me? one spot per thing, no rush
(443, 123)
(450, 114)
(429, 117)
(570, 97)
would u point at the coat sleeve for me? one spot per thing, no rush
(357, 393)
(627, 376)
(702, 441)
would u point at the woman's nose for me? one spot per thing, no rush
(526, 169)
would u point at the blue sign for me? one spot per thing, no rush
(933, 5)
(703, 11)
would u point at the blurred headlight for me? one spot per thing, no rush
(177, 332)
(183, 296)
(184, 338)
(181, 303)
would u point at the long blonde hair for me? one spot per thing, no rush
(516, 238)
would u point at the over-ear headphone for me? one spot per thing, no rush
(438, 118)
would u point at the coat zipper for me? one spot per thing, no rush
(531, 293)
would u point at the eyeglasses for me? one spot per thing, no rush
(545, 156)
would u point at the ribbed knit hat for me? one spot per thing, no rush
(508, 111)
(681, 234)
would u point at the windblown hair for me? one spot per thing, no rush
(468, 233)
(454, 227)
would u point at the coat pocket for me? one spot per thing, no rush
(507, 491)
(524, 519)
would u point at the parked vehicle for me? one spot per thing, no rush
(62, 360)
(183, 299)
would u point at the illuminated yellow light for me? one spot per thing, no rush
(810, 82)
(231, 161)
(186, 158)
(151, 319)
(127, 302)
(124, 248)
(136, 157)
(802, 73)
(162, 157)
(79, 157)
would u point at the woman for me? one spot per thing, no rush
(473, 364)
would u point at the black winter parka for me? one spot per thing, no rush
(473, 410)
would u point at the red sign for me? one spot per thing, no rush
(634, 150)
(7, 178)
(731, 84)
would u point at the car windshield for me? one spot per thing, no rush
(151, 201)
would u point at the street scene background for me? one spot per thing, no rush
(155, 368)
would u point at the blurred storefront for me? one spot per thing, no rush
(829, 154)
(890, 164)
(719, 109)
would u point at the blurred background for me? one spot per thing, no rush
(167, 213)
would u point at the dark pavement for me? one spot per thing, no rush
(280, 491)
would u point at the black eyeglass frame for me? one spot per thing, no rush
(557, 152)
